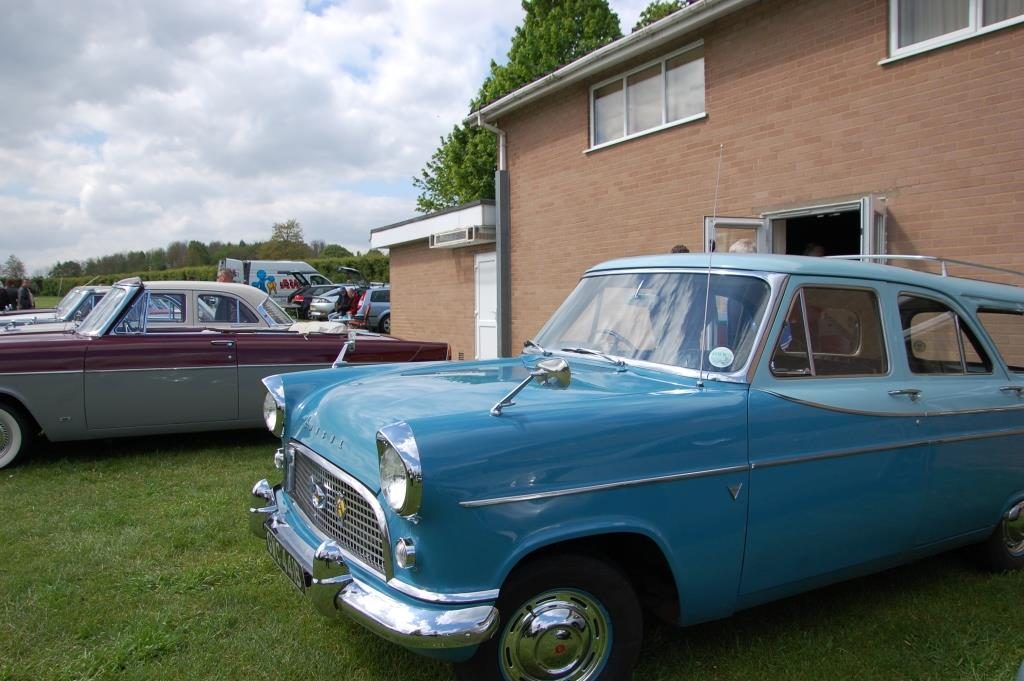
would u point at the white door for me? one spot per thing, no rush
(486, 306)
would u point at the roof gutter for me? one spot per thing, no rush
(647, 38)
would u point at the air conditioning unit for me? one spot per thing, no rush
(463, 236)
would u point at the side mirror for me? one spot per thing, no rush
(553, 372)
(348, 345)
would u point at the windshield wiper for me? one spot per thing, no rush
(597, 353)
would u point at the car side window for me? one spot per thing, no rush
(1006, 329)
(831, 332)
(380, 297)
(938, 341)
(166, 307)
(216, 308)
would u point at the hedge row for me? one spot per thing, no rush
(374, 266)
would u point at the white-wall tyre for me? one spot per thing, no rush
(14, 434)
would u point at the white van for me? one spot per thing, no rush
(279, 278)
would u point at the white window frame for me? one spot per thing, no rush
(623, 77)
(974, 28)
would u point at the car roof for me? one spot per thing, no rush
(821, 267)
(249, 294)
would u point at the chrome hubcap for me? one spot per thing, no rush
(1013, 530)
(5, 437)
(561, 635)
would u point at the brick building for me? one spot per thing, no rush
(855, 126)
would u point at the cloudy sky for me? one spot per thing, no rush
(128, 124)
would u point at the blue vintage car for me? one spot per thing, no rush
(686, 437)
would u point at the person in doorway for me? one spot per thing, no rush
(743, 246)
(26, 301)
(680, 248)
(815, 250)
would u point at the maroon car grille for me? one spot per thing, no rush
(316, 491)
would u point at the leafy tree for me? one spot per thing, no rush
(14, 268)
(461, 170)
(66, 269)
(335, 251)
(290, 230)
(197, 254)
(317, 246)
(553, 33)
(659, 9)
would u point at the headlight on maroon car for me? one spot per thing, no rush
(401, 478)
(273, 405)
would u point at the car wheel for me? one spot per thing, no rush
(14, 434)
(385, 325)
(1004, 550)
(564, 618)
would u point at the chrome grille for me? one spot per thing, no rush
(316, 489)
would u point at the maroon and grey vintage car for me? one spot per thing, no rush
(115, 375)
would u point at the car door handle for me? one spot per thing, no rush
(912, 393)
(1013, 389)
(225, 343)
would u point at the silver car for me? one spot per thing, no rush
(323, 304)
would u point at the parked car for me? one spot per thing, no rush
(74, 306)
(691, 434)
(322, 305)
(118, 375)
(207, 304)
(374, 311)
(300, 300)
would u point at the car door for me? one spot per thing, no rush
(836, 457)
(975, 416)
(136, 377)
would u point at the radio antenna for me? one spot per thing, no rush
(707, 289)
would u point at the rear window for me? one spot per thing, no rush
(937, 339)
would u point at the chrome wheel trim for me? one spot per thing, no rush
(10, 438)
(1013, 531)
(559, 635)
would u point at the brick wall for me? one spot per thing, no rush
(433, 294)
(806, 114)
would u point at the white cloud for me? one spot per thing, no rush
(127, 125)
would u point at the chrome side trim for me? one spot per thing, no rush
(476, 503)
(284, 366)
(882, 448)
(921, 414)
(40, 373)
(226, 365)
(434, 597)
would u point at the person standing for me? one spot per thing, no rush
(26, 301)
(12, 294)
(226, 275)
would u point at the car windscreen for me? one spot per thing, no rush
(105, 311)
(69, 303)
(660, 317)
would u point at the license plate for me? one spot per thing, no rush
(289, 566)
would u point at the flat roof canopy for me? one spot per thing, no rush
(480, 214)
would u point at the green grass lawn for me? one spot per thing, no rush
(47, 301)
(130, 559)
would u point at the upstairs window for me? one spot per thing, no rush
(662, 93)
(921, 24)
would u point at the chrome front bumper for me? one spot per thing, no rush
(332, 589)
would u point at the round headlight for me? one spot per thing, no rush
(394, 478)
(401, 478)
(273, 414)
